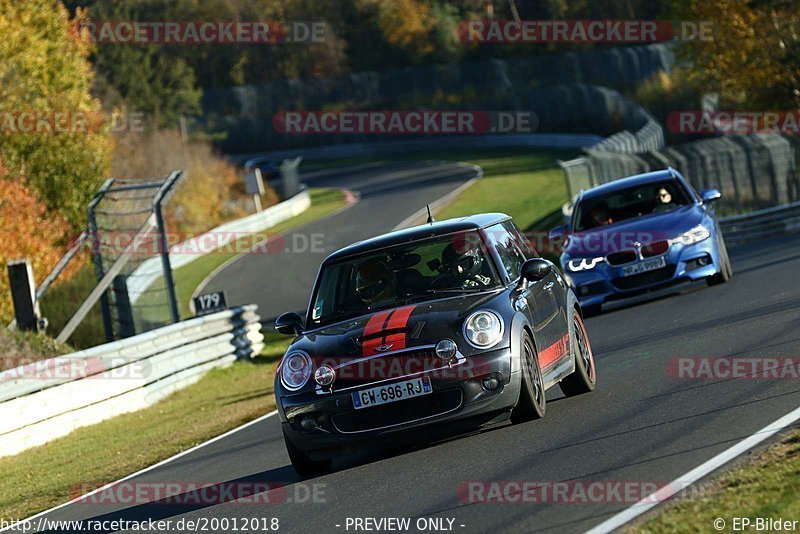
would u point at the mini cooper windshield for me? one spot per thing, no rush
(394, 276)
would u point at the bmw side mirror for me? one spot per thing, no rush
(557, 233)
(290, 324)
(710, 195)
(535, 269)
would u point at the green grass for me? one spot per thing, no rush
(764, 486)
(45, 476)
(525, 183)
(323, 202)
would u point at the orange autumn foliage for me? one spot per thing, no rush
(27, 230)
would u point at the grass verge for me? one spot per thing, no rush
(50, 474)
(525, 183)
(765, 486)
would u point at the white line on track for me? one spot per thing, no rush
(681, 483)
(146, 469)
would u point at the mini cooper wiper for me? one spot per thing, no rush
(459, 290)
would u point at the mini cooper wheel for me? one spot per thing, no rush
(304, 465)
(532, 401)
(584, 378)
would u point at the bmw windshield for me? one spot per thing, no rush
(629, 203)
(394, 276)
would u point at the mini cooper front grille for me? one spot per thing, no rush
(398, 413)
(655, 249)
(381, 367)
(644, 279)
(623, 256)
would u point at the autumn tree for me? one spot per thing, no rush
(63, 153)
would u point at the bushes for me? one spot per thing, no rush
(212, 191)
(27, 230)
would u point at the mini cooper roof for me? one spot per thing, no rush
(416, 233)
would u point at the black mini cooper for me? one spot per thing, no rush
(448, 326)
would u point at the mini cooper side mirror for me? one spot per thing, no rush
(290, 324)
(710, 195)
(535, 269)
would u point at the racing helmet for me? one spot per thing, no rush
(374, 281)
(464, 261)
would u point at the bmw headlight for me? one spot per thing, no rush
(483, 329)
(583, 264)
(295, 370)
(695, 235)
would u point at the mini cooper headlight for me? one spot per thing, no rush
(324, 375)
(583, 264)
(446, 349)
(695, 235)
(483, 329)
(295, 370)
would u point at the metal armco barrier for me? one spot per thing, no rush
(45, 400)
(761, 224)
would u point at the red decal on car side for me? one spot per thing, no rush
(553, 352)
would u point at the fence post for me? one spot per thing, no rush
(97, 258)
(163, 244)
(23, 294)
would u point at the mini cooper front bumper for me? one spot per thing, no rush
(473, 391)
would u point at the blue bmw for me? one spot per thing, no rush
(638, 234)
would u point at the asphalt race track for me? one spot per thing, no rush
(281, 279)
(642, 425)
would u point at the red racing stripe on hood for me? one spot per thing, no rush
(389, 321)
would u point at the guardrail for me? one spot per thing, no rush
(761, 224)
(151, 270)
(45, 400)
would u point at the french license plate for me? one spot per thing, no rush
(391, 393)
(644, 266)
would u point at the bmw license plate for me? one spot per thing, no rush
(391, 393)
(644, 266)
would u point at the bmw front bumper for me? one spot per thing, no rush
(684, 263)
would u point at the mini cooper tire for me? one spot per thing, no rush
(532, 396)
(584, 378)
(304, 465)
